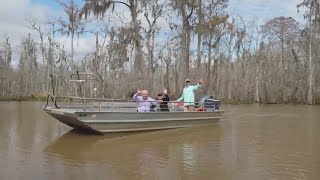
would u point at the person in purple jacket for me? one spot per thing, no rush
(143, 101)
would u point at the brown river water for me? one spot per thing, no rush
(250, 142)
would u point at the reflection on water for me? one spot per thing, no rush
(251, 142)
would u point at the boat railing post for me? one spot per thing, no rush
(83, 96)
(112, 104)
(68, 102)
(55, 92)
(83, 104)
(173, 105)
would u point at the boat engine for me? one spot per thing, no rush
(211, 104)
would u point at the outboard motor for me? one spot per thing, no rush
(211, 104)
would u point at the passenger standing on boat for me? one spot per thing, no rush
(188, 95)
(164, 99)
(143, 101)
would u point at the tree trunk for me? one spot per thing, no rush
(199, 36)
(167, 85)
(72, 63)
(242, 75)
(150, 63)
(176, 73)
(47, 68)
(217, 75)
(310, 91)
(282, 73)
(186, 32)
(72, 49)
(151, 82)
(229, 68)
(267, 78)
(139, 62)
(209, 64)
(257, 82)
(187, 60)
(43, 61)
(96, 56)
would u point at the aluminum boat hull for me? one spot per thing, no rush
(102, 122)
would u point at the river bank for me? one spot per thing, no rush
(230, 102)
(25, 98)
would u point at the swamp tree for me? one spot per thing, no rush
(5, 63)
(312, 15)
(153, 10)
(73, 26)
(185, 9)
(99, 8)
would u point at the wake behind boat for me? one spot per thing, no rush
(100, 115)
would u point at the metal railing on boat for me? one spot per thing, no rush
(85, 101)
(115, 104)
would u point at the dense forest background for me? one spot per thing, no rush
(239, 61)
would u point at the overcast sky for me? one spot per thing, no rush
(14, 12)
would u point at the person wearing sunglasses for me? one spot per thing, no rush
(188, 95)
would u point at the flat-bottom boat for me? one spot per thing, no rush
(105, 115)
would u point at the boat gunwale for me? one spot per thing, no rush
(152, 128)
(74, 112)
(148, 120)
(166, 112)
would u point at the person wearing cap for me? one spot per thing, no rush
(188, 95)
(164, 99)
